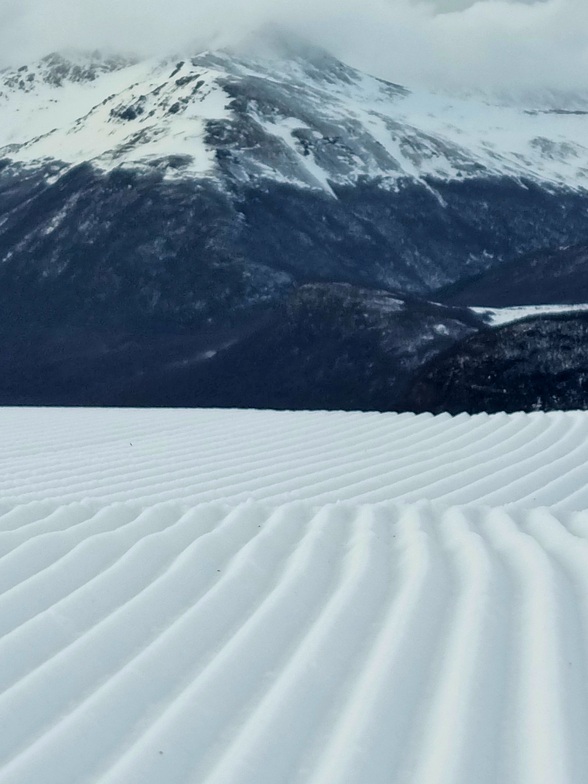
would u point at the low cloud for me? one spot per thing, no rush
(497, 44)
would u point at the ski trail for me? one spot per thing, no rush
(570, 556)
(430, 626)
(469, 481)
(167, 666)
(140, 620)
(38, 552)
(87, 558)
(445, 732)
(231, 456)
(295, 700)
(537, 750)
(366, 741)
(232, 677)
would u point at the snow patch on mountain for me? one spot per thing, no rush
(146, 111)
(310, 119)
(499, 316)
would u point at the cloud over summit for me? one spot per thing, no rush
(500, 44)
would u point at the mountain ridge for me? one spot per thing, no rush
(178, 200)
(383, 131)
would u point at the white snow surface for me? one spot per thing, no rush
(78, 122)
(196, 456)
(498, 316)
(384, 132)
(228, 597)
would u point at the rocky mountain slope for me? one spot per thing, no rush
(327, 346)
(175, 205)
(554, 275)
(291, 160)
(532, 365)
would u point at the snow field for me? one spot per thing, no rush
(228, 597)
(340, 643)
(498, 316)
(197, 456)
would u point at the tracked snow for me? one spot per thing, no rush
(233, 456)
(227, 597)
(341, 644)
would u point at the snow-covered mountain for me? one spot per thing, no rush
(259, 206)
(300, 164)
(290, 114)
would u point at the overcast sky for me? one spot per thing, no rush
(489, 43)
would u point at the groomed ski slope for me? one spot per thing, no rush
(322, 457)
(222, 597)
(198, 456)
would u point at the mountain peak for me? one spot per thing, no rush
(274, 107)
(271, 41)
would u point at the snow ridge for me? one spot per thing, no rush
(319, 598)
(344, 643)
(200, 456)
(297, 116)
